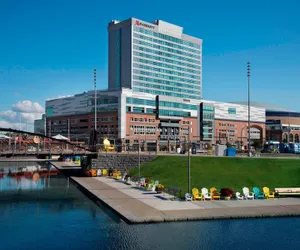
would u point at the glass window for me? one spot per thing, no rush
(232, 111)
(130, 100)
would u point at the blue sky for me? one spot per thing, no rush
(49, 48)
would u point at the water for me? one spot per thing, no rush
(50, 213)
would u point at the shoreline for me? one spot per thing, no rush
(136, 206)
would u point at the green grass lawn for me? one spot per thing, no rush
(221, 172)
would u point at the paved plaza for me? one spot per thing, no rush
(135, 205)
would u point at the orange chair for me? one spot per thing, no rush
(214, 194)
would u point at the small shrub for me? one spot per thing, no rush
(159, 188)
(227, 192)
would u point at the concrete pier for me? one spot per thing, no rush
(62, 165)
(137, 206)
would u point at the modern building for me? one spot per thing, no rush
(154, 95)
(154, 58)
(152, 120)
(39, 125)
(282, 125)
(231, 124)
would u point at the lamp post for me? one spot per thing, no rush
(249, 137)
(189, 161)
(139, 157)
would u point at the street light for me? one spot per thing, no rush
(248, 74)
(189, 160)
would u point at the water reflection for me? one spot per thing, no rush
(31, 177)
(50, 213)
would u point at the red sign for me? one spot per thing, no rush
(138, 23)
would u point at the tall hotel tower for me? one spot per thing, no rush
(154, 58)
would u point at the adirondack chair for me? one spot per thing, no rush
(258, 194)
(104, 172)
(248, 194)
(150, 185)
(268, 194)
(154, 185)
(239, 196)
(205, 194)
(196, 195)
(214, 193)
(188, 197)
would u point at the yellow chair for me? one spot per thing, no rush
(214, 194)
(104, 172)
(268, 194)
(196, 195)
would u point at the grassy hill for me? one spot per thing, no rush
(223, 172)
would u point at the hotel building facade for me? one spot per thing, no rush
(154, 95)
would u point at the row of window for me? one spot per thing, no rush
(208, 124)
(164, 112)
(149, 130)
(171, 78)
(169, 83)
(166, 71)
(177, 105)
(159, 41)
(103, 109)
(165, 65)
(142, 119)
(227, 124)
(291, 138)
(101, 101)
(208, 108)
(175, 51)
(138, 101)
(140, 110)
(157, 86)
(157, 52)
(208, 116)
(166, 37)
(106, 119)
(158, 92)
(163, 59)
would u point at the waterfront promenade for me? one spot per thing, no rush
(137, 206)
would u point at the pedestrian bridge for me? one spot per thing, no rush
(19, 143)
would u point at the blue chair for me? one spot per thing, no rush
(258, 194)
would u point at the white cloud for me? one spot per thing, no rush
(22, 115)
(28, 107)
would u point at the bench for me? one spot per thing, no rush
(287, 191)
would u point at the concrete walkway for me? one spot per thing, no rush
(137, 206)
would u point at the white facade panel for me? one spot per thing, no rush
(224, 111)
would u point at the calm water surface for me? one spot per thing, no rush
(50, 213)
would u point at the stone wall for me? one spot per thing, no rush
(121, 162)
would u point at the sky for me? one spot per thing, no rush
(49, 49)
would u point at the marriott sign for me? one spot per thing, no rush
(139, 23)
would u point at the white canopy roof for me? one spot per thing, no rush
(60, 137)
(3, 136)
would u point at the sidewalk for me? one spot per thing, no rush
(137, 206)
